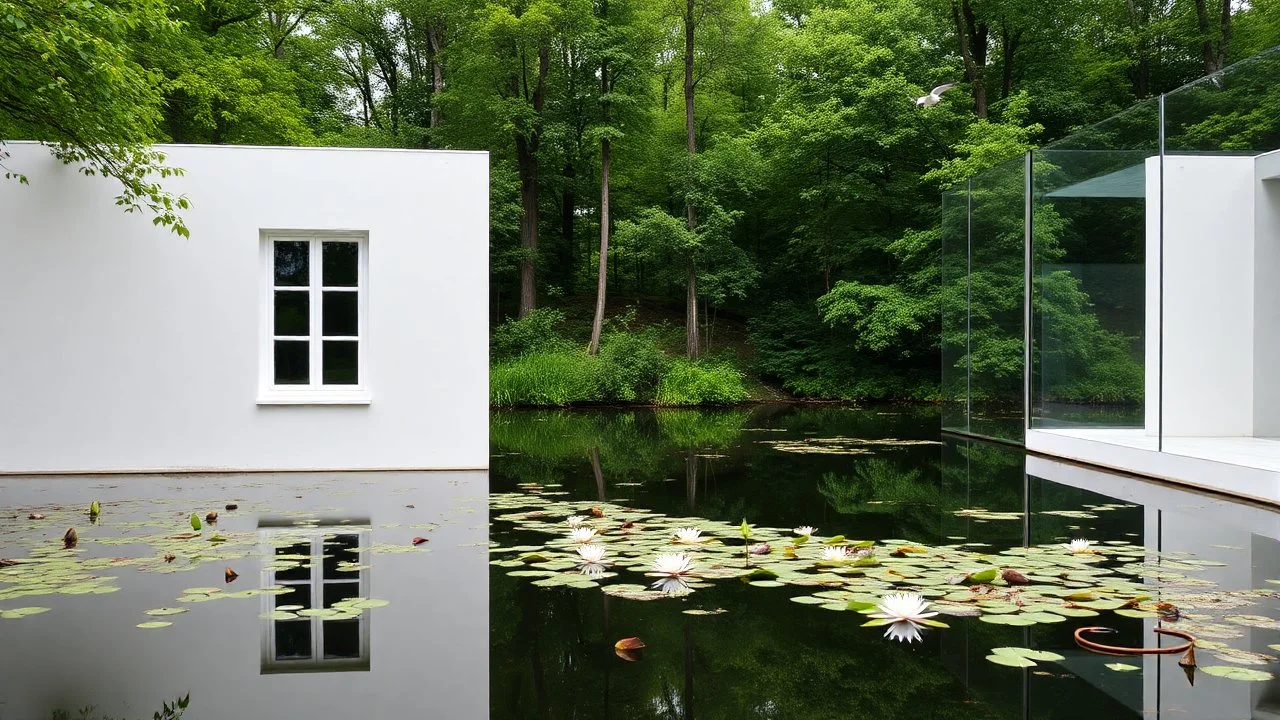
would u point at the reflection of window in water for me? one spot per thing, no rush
(320, 567)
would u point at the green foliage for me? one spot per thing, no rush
(701, 383)
(549, 379)
(537, 332)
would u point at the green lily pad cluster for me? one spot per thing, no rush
(841, 445)
(1049, 584)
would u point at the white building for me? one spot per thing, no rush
(327, 313)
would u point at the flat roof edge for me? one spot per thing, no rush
(323, 148)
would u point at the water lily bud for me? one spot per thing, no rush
(94, 508)
(71, 538)
(195, 521)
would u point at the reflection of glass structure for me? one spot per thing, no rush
(320, 567)
(1110, 297)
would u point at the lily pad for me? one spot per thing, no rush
(1122, 667)
(1232, 672)
(22, 612)
(1044, 655)
(166, 611)
(1011, 660)
(154, 624)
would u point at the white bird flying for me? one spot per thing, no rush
(934, 97)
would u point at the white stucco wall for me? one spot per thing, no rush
(125, 347)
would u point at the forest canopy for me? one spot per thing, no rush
(753, 176)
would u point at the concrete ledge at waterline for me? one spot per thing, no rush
(130, 349)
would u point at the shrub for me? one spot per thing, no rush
(551, 379)
(690, 383)
(633, 365)
(537, 332)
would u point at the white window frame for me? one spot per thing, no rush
(316, 392)
(269, 539)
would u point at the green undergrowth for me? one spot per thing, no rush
(536, 365)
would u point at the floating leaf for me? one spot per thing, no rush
(630, 643)
(154, 624)
(980, 577)
(17, 613)
(1122, 667)
(717, 611)
(166, 611)
(228, 574)
(1012, 661)
(1237, 673)
(1013, 577)
(70, 539)
(211, 517)
(195, 521)
(420, 540)
(1044, 655)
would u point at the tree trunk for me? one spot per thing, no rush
(602, 274)
(437, 71)
(1214, 36)
(1009, 42)
(527, 162)
(972, 38)
(692, 348)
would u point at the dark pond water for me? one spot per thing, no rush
(335, 613)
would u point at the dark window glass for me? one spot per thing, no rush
(341, 264)
(293, 639)
(296, 573)
(297, 595)
(293, 263)
(337, 591)
(340, 362)
(340, 548)
(341, 316)
(293, 312)
(293, 362)
(341, 638)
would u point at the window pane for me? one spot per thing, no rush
(338, 549)
(340, 264)
(335, 592)
(302, 571)
(340, 362)
(341, 638)
(292, 263)
(293, 362)
(297, 595)
(293, 308)
(341, 313)
(293, 639)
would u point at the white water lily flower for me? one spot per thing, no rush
(672, 564)
(1079, 546)
(902, 606)
(592, 553)
(903, 631)
(836, 553)
(672, 586)
(582, 534)
(576, 520)
(592, 570)
(806, 530)
(689, 535)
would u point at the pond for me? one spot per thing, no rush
(333, 609)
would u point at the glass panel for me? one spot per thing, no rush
(341, 313)
(1219, 224)
(335, 592)
(342, 638)
(340, 548)
(341, 264)
(1089, 303)
(296, 553)
(955, 310)
(293, 639)
(996, 281)
(340, 362)
(292, 263)
(297, 595)
(293, 362)
(293, 312)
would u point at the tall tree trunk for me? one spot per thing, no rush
(1009, 41)
(692, 348)
(972, 38)
(568, 207)
(1214, 36)
(434, 43)
(602, 273)
(527, 163)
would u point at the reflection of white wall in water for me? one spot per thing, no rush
(1241, 536)
(428, 650)
(1221, 313)
(126, 347)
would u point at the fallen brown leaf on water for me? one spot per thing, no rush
(631, 643)
(231, 506)
(184, 536)
(6, 562)
(71, 538)
(170, 557)
(35, 516)
(596, 512)
(1013, 577)
(419, 540)
(230, 574)
(628, 524)
(212, 517)
(409, 506)
(628, 655)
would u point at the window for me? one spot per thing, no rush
(315, 339)
(318, 568)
